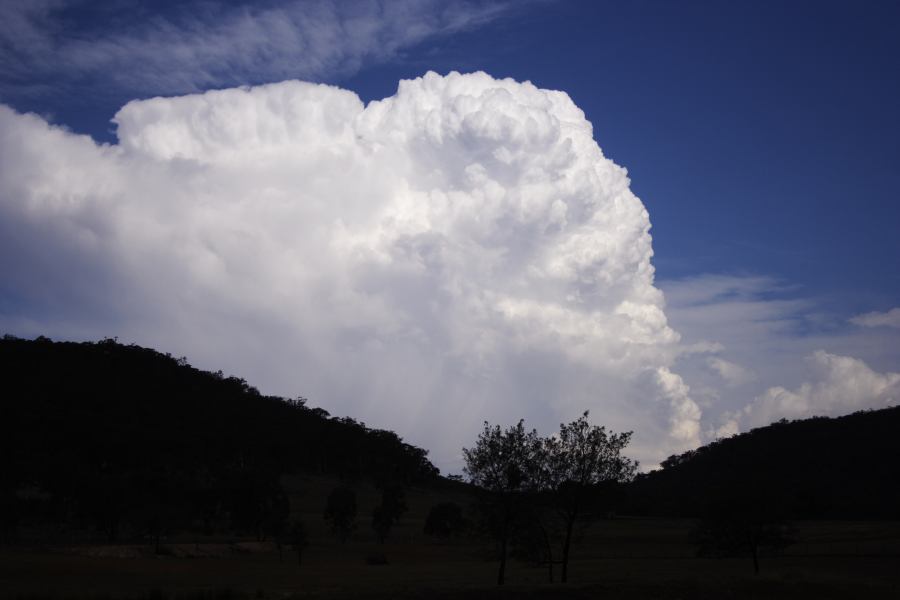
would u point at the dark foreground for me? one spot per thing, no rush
(625, 559)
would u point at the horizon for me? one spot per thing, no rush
(643, 469)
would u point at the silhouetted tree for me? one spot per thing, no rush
(106, 497)
(503, 463)
(444, 520)
(386, 514)
(340, 512)
(574, 464)
(277, 527)
(299, 539)
(162, 506)
(741, 518)
(258, 503)
(537, 533)
(276, 513)
(9, 515)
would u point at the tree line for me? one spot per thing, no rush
(125, 440)
(816, 468)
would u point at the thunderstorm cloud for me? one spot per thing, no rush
(457, 252)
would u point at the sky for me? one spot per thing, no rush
(678, 215)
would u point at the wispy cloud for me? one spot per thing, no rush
(49, 46)
(890, 318)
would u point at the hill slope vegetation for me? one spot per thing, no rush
(126, 440)
(845, 467)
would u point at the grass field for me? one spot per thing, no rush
(620, 558)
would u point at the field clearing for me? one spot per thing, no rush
(621, 558)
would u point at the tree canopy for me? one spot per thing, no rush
(533, 484)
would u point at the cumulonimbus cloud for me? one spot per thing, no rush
(459, 251)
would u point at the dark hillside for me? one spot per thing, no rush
(125, 440)
(846, 467)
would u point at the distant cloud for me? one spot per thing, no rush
(890, 318)
(742, 334)
(457, 252)
(47, 46)
(843, 385)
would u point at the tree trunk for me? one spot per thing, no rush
(755, 559)
(299, 557)
(548, 547)
(501, 574)
(112, 530)
(570, 524)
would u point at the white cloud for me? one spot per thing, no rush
(732, 374)
(843, 385)
(890, 318)
(742, 333)
(459, 251)
(214, 44)
(685, 414)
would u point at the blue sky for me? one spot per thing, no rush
(763, 138)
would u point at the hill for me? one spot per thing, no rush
(127, 440)
(844, 467)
